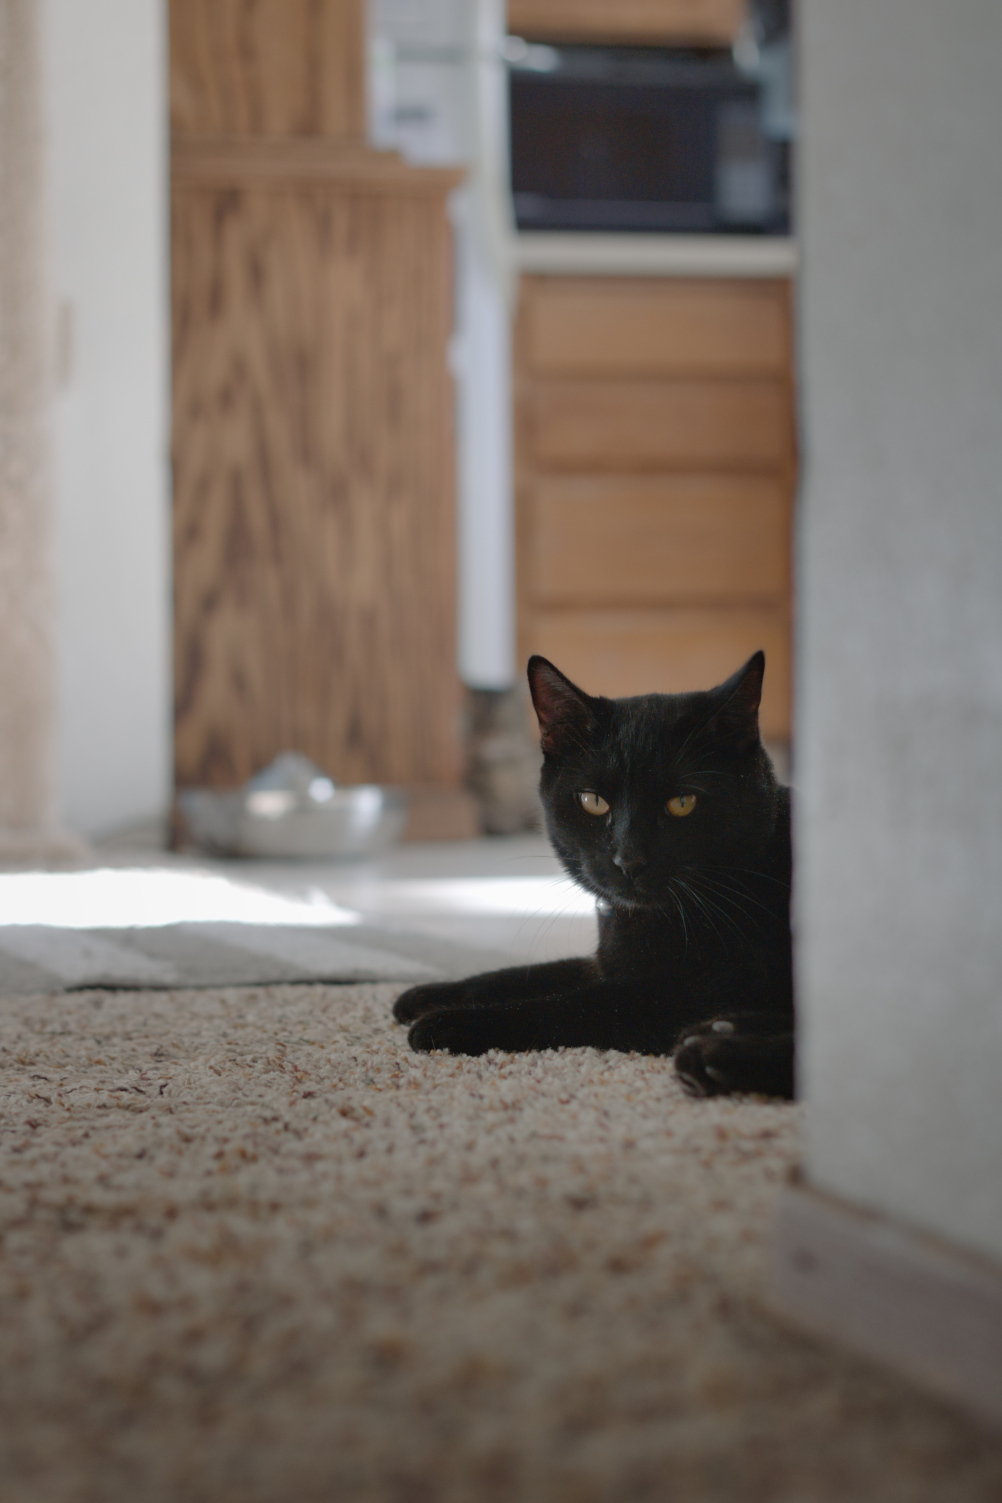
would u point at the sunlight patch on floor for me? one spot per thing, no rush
(503, 896)
(149, 897)
(117, 898)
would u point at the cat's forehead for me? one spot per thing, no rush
(655, 730)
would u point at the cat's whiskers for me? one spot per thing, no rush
(549, 915)
(681, 911)
(707, 907)
(747, 871)
(720, 888)
(719, 894)
(739, 924)
(552, 916)
(700, 907)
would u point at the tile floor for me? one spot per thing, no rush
(507, 895)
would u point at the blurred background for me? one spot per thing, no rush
(482, 346)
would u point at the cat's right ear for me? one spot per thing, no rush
(741, 696)
(565, 714)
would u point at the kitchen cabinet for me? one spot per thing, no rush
(707, 22)
(314, 529)
(656, 462)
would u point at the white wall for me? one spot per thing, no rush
(899, 735)
(106, 67)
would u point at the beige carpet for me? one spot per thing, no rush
(254, 1249)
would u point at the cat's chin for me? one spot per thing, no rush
(636, 903)
(615, 897)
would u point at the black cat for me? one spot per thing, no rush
(666, 808)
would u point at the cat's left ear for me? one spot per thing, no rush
(565, 714)
(740, 697)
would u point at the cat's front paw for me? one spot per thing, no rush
(454, 1029)
(698, 1060)
(428, 997)
(716, 1059)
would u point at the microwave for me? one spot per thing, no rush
(643, 139)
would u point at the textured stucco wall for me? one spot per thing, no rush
(26, 668)
(107, 128)
(899, 734)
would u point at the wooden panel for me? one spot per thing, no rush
(268, 67)
(313, 484)
(625, 540)
(236, 161)
(638, 425)
(667, 652)
(619, 20)
(655, 326)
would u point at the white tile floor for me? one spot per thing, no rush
(504, 895)
(507, 894)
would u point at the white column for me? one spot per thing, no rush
(899, 734)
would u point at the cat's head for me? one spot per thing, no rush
(642, 792)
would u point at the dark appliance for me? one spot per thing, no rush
(633, 139)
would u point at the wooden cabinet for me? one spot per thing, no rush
(655, 464)
(265, 68)
(313, 514)
(629, 539)
(313, 440)
(656, 424)
(710, 22)
(598, 326)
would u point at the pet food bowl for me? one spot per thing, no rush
(292, 810)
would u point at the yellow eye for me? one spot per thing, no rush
(593, 803)
(682, 805)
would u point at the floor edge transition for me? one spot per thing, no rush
(928, 1310)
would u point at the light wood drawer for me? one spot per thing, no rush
(645, 425)
(667, 652)
(647, 327)
(680, 539)
(640, 20)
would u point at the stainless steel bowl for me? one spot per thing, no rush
(293, 810)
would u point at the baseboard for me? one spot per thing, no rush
(41, 847)
(922, 1307)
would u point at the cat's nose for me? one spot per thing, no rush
(629, 863)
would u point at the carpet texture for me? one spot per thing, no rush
(254, 1249)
